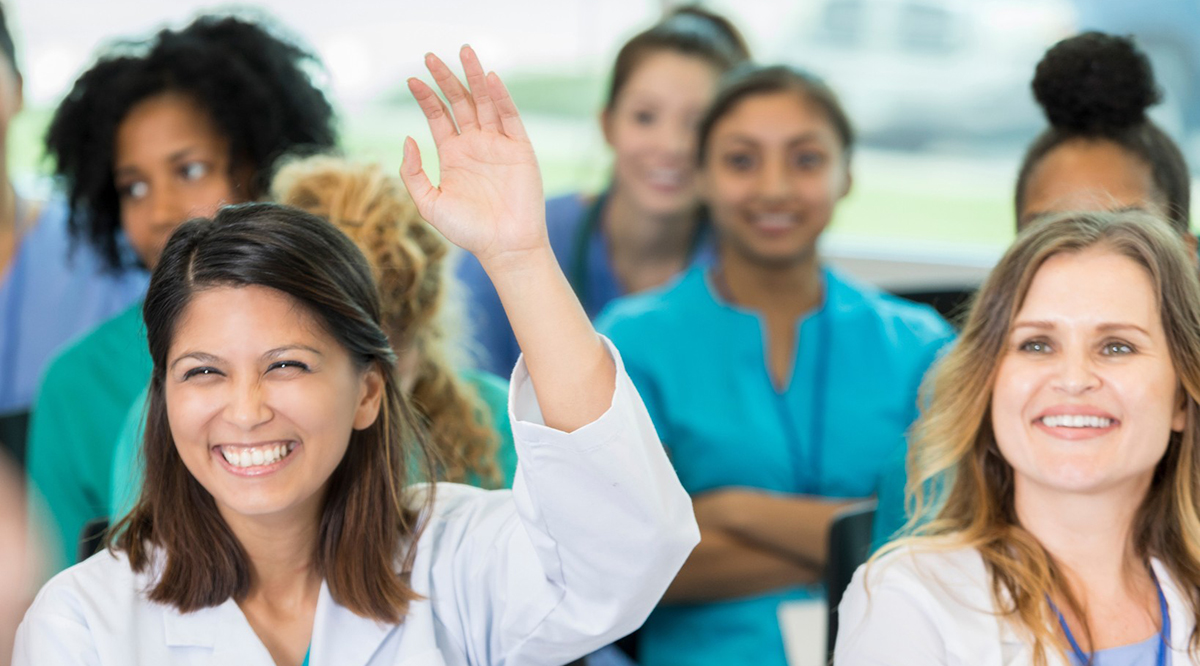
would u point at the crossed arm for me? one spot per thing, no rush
(753, 541)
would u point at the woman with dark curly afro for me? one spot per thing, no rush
(38, 266)
(1101, 151)
(155, 133)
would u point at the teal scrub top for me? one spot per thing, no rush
(700, 366)
(80, 408)
(127, 465)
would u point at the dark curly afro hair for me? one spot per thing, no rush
(1098, 86)
(252, 83)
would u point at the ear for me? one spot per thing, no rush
(846, 184)
(1179, 419)
(606, 126)
(370, 397)
(1191, 241)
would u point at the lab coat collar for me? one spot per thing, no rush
(339, 636)
(342, 637)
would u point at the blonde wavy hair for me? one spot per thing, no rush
(408, 259)
(960, 489)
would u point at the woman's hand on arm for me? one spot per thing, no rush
(794, 526)
(489, 202)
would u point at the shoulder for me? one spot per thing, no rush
(104, 585)
(944, 585)
(567, 209)
(113, 336)
(491, 388)
(565, 215)
(919, 605)
(656, 310)
(910, 323)
(925, 565)
(459, 516)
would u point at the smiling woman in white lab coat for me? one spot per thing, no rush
(1057, 467)
(274, 525)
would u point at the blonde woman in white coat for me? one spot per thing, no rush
(1055, 469)
(274, 526)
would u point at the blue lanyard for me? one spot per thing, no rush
(1164, 635)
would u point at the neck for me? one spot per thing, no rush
(1089, 536)
(281, 554)
(636, 236)
(786, 290)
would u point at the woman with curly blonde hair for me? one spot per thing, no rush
(1055, 471)
(464, 411)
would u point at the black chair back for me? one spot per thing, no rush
(849, 547)
(91, 538)
(14, 429)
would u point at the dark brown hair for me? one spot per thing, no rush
(366, 527)
(687, 30)
(753, 80)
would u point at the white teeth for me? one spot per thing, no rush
(1076, 421)
(253, 456)
(668, 178)
(775, 220)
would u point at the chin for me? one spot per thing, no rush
(663, 204)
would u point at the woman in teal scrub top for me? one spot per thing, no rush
(647, 225)
(779, 386)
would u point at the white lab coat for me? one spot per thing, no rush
(574, 557)
(927, 607)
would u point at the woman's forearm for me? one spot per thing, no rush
(794, 526)
(572, 372)
(725, 567)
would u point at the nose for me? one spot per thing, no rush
(773, 182)
(166, 210)
(678, 141)
(247, 406)
(1076, 373)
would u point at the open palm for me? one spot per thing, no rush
(489, 198)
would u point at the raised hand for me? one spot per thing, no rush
(489, 198)
(489, 202)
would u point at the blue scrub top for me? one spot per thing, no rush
(51, 294)
(700, 366)
(495, 346)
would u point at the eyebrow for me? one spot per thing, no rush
(205, 357)
(176, 156)
(807, 137)
(1105, 327)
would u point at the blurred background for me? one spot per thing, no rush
(938, 89)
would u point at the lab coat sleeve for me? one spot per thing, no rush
(597, 527)
(883, 621)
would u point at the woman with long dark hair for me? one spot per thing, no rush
(275, 525)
